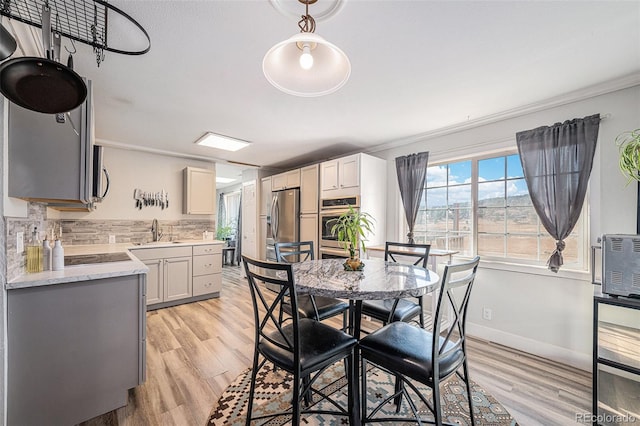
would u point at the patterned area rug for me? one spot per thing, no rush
(273, 394)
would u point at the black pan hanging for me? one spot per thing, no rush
(42, 84)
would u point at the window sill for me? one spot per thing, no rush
(567, 273)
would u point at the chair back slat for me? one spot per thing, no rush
(419, 251)
(265, 307)
(459, 277)
(292, 252)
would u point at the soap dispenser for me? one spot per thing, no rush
(46, 255)
(57, 263)
(34, 253)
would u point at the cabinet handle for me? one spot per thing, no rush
(208, 265)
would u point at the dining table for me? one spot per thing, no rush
(378, 280)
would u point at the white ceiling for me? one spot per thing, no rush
(417, 66)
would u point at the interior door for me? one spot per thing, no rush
(249, 219)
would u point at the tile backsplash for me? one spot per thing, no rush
(79, 232)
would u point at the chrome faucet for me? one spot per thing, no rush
(155, 230)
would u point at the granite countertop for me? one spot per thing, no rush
(94, 271)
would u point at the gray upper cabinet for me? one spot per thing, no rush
(51, 161)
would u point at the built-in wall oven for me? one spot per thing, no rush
(331, 209)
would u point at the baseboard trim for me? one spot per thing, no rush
(531, 346)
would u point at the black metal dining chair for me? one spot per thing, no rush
(391, 310)
(427, 357)
(303, 347)
(315, 307)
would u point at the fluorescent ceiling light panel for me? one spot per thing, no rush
(214, 140)
(223, 180)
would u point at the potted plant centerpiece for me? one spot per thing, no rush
(351, 229)
(225, 233)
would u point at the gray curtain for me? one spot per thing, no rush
(412, 172)
(557, 162)
(222, 212)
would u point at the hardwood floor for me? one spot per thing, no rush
(195, 351)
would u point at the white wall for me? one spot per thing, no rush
(533, 309)
(148, 171)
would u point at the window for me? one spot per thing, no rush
(232, 210)
(482, 205)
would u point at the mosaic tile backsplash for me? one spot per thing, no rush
(80, 232)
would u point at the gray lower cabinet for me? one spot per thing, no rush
(74, 349)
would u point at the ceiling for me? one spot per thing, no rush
(417, 66)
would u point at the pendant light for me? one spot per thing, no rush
(306, 64)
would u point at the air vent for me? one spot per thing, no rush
(636, 246)
(616, 277)
(635, 280)
(616, 244)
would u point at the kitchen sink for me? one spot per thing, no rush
(83, 259)
(157, 243)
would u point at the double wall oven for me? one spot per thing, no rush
(331, 209)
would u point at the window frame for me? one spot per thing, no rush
(581, 265)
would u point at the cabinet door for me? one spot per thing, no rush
(309, 230)
(293, 179)
(177, 278)
(262, 238)
(329, 175)
(249, 219)
(199, 191)
(279, 182)
(349, 172)
(265, 196)
(309, 189)
(155, 290)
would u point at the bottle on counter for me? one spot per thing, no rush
(34, 253)
(46, 255)
(57, 257)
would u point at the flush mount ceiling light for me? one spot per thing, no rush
(220, 179)
(306, 64)
(214, 140)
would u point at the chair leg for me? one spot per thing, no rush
(420, 302)
(349, 371)
(437, 407)
(252, 389)
(295, 402)
(397, 388)
(363, 387)
(307, 394)
(468, 383)
(345, 320)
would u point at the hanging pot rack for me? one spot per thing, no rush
(84, 21)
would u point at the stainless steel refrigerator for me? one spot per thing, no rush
(283, 223)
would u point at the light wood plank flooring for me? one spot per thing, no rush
(195, 351)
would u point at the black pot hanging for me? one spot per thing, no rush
(42, 84)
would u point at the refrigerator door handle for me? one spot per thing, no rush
(274, 218)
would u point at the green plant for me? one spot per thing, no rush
(224, 232)
(352, 227)
(629, 146)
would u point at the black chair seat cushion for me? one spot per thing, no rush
(320, 345)
(406, 349)
(327, 307)
(380, 309)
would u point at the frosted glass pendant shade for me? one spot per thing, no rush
(330, 70)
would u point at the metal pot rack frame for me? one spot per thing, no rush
(84, 21)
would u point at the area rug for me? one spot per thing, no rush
(273, 394)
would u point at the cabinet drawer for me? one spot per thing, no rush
(161, 252)
(206, 284)
(207, 249)
(204, 265)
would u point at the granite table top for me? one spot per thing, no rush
(378, 280)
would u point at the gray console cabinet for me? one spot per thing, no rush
(74, 349)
